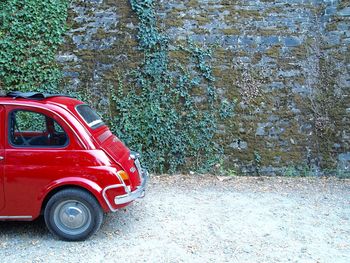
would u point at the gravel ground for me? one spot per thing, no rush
(206, 219)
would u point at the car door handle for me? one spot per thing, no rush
(2, 158)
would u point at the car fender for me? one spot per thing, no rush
(84, 183)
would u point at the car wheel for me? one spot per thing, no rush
(73, 214)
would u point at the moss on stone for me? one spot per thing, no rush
(273, 52)
(230, 31)
(268, 60)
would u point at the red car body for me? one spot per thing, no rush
(92, 159)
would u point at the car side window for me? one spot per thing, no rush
(33, 129)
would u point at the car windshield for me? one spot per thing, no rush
(90, 117)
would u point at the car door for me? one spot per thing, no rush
(2, 126)
(36, 149)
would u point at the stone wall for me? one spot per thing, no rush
(285, 62)
(99, 46)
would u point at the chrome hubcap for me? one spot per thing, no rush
(72, 217)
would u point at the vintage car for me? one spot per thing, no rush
(59, 159)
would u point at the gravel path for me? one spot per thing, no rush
(203, 219)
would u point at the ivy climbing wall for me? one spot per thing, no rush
(287, 63)
(30, 33)
(284, 64)
(265, 82)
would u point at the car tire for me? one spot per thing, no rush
(73, 214)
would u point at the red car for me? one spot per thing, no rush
(59, 159)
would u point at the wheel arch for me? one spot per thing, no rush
(90, 187)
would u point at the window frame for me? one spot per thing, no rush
(9, 140)
(95, 126)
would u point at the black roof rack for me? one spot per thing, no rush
(33, 95)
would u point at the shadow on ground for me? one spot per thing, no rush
(36, 228)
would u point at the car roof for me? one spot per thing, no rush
(31, 98)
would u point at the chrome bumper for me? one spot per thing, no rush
(138, 193)
(130, 195)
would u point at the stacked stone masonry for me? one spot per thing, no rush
(287, 63)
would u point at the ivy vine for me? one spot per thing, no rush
(30, 33)
(170, 112)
